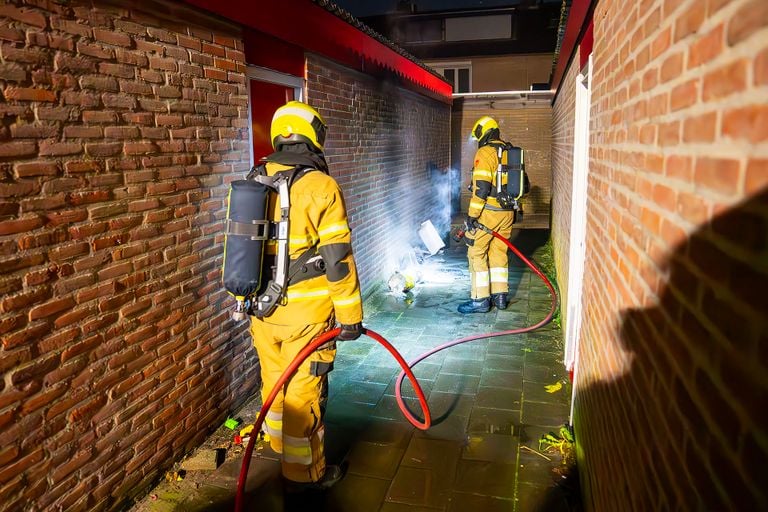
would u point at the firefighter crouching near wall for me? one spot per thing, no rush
(318, 223)
(488, 259)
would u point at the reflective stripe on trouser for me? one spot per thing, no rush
(273, 426)
(488, 257)
(294, 422)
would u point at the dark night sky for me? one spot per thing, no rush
(360, 8)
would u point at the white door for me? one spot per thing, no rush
(578, 220)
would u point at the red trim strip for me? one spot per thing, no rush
(585, 47)
(579, 15)
(304, 24)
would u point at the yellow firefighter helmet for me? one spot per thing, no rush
(297, 122)
(483, 126)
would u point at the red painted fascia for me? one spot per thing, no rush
(282, 56)
(585, 47)
(305, 24)
(579, 17)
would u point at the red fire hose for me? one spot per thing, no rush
(407, 369)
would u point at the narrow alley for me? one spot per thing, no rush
(488, 401)
(149, 150)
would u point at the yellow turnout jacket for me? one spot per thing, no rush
(317, 216)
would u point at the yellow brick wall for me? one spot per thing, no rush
(529, 127)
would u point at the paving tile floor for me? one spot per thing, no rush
(487, 397)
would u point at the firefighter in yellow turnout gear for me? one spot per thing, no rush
(488, 260)
(314, 301)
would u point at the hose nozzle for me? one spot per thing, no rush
(457, 234)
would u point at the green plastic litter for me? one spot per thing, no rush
(231, 423)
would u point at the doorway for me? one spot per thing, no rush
(268, 90)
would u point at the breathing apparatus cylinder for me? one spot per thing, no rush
(246, 233)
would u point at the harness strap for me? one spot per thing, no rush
(299, 270)
(257, 230)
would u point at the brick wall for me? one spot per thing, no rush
(120, 130)
(673, 372)
(507, 72)
(563, 118)
(529, 127)
(389, 150)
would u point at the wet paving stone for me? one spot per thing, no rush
(543, 358)
(552, 415)
(544, 374)
(501, 378)
(359, 392)
(340, 411)
(484, 420)
(404, 507)
(395, 434)
(439, 455)
(388, 409)
(377, 374)
(503, 363)
(449, 427)
(374, 460)
(419, 487)
(356, 492)
(462, 367)
(486, 478)
(502, 347)
(459, 384)
(491, 448)
(463, 502)
(442, 403)
(499, 398)
(357, 348)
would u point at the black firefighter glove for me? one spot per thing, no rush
(470, 224)
(350, 332)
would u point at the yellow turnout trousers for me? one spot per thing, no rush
(294, 422)
(488, 258)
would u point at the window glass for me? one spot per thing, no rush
(463, 85)
(450, 75)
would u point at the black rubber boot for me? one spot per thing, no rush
(331, 476)
(475, 306)
(500, 300)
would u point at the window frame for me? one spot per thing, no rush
(441, 66)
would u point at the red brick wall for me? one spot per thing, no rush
(382, 141)
(120, 130)
(673, 373)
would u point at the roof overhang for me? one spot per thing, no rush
(315, 29)
(579, 18)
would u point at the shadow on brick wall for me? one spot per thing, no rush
(686, 428)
